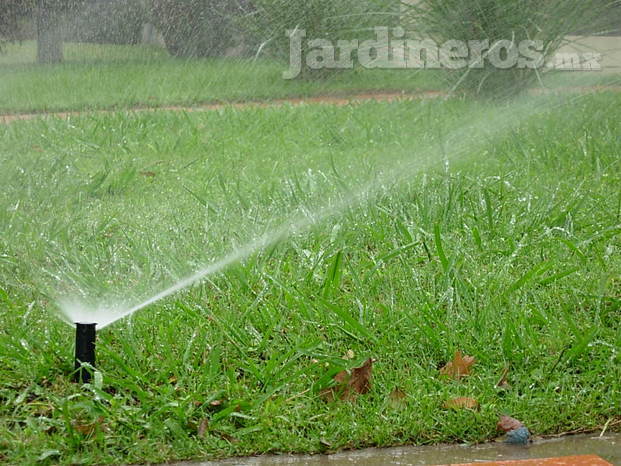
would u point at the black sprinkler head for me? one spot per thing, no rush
(85, 335)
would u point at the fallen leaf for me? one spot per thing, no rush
(227, 437)
(361, 377)
(507, 423)
(397, 398)
(342, 377)
(202, 428)
(462, 402)
(148, 174)
(84, 429)
(349, 385)
(503, 382)
(459, 367)
(340, 390)
(88, 429)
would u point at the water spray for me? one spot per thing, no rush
(85, 335)
(464, 138)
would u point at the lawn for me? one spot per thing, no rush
(454, 226)
(118, 77)
(108, 77)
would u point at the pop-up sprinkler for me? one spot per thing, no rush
(85, 335)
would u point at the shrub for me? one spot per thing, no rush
(11, 16)
(109, 21)
(195, 28)
(548, 21)
(268, 21)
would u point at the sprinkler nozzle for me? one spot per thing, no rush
(85, 335)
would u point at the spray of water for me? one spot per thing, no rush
(466, 138)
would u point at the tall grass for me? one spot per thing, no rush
(548, 22)
(273, 23)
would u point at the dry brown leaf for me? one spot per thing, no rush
(90, 428)
(148, 174)
(361, 377)
(507, 423)
(202, 428)
(84, 429)
(340, 390)
(349, 385)
(503, 382)
(462, 402)
(397, 398)
(341, 377)
(227, 437)
(459, 367)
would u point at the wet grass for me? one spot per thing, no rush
(108, 77)
(510, 251)
(117, 77)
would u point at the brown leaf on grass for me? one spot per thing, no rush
(361, 377)
(84, 429)
(462, 402)
(90, 428)
(397, 398)
(202, 428)
(349, 385)
(507, 423)
(341, 377)
(227, 437)
(148, 174)
(459, 367)
(214, 405)
(339, 390)
(503, 382)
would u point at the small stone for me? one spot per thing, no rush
(518, 436)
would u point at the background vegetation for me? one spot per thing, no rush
(549, 22)
(208, 28)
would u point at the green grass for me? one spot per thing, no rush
(105, 77)
(117, 77)
(511, 252)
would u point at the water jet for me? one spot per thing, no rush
(85, 335)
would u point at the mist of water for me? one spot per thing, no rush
(469, 135)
